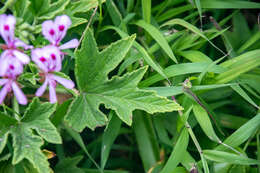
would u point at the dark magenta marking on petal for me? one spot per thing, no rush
(53, 56)
(6, 27)
(11, 67)
(42, 59)
(61, 27)
(52, 32)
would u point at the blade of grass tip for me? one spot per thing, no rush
(242, 134)
(192, 28)
(76, 136)
(158, 37)
(249, 42)
(243, 94)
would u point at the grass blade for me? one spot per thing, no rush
(221, 4)
(109, 137)
(221, 156)
(158, 37)
(242, 134)
(177, 153)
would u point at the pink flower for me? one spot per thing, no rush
(7, 27)
(12, 68)
(55, 31)
(48, 59)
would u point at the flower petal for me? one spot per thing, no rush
(21, 56)
(20, 43)
(21, 98)
(52, 86)
(4, 63)
(65, 82)
(41, 90)
(49, 31)
(54, 58)
(70, 44)
(3, 92)
(3, 81)
(62, 23)
(37, 54)
(7, 26)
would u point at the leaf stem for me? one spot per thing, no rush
(89, 22)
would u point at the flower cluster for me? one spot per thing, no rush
(48, 58)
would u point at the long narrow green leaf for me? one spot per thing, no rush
(239, 65)
(146, 140)
(114, 12)
(109, 137)
(76, 136)
(156, 34)
(204, 122)
(177, 153)
(223, 4)
(192, 28)
(242, 134)
(221, 156)
(176, 90)
(243, 94)
(181, 69)
(146, 7)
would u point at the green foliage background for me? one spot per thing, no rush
(166, 86)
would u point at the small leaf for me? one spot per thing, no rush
(27, 145)
(204, 122)
(37, 117)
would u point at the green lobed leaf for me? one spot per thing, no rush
(26, 144)
(37, 117)
(120, 93)
(142, 51)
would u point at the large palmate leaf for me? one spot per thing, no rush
(26, 143)
(119, 93)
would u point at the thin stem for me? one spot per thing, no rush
(16, 109)
(89, 22)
